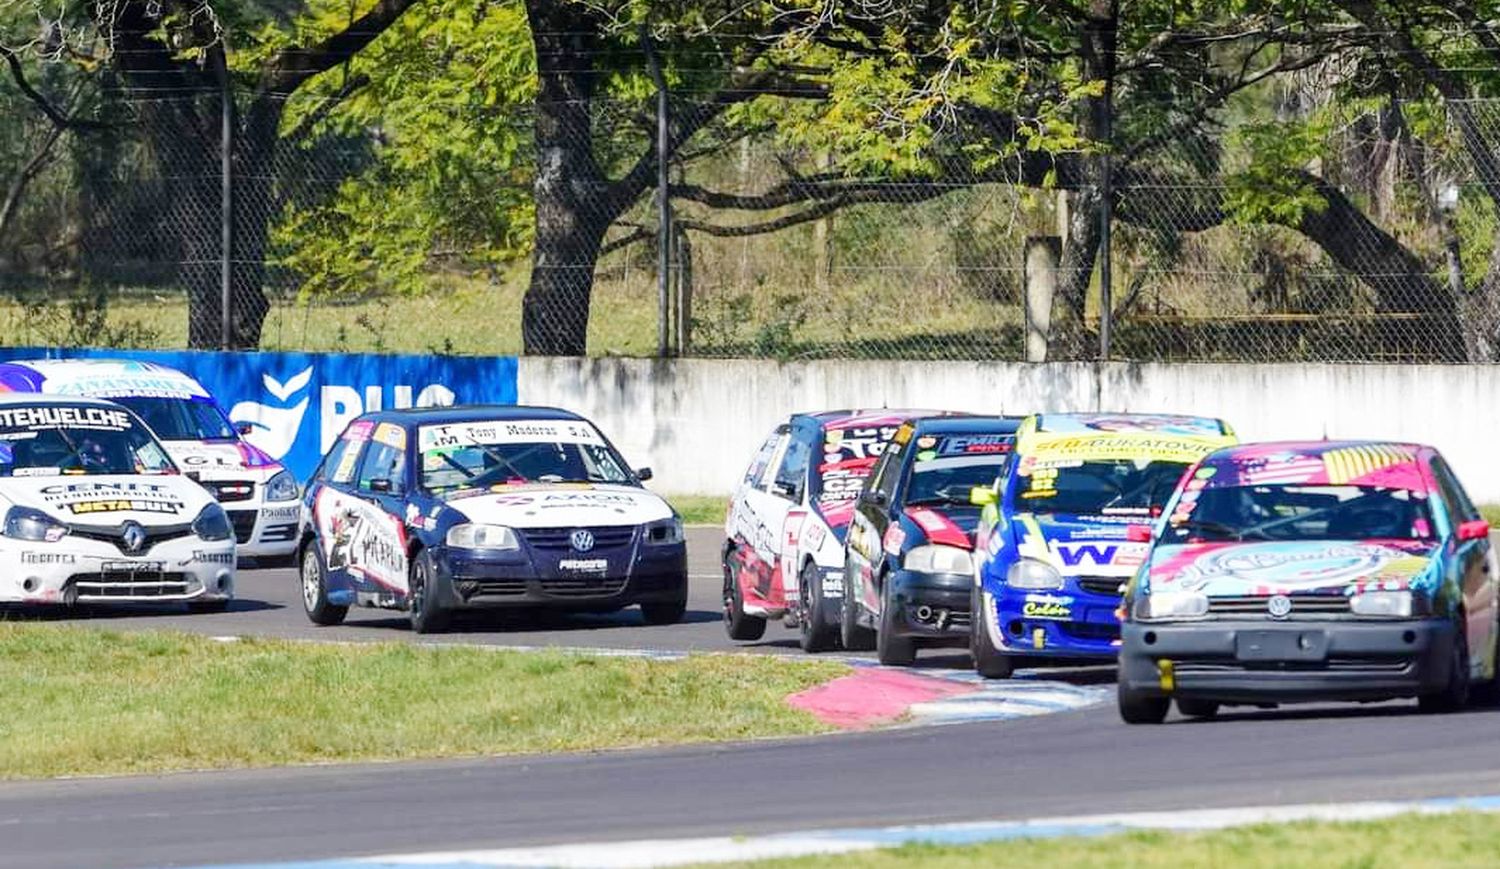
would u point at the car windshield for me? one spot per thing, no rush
(47, 440)
(181, 419)
(1123, 487)
(1299, 513)
(946, 467)
(506, 452)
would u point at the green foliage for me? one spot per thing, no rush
(1271, 188)
(83, 321)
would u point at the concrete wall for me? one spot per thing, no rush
(695, 422)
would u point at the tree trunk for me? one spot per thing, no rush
(573, 205)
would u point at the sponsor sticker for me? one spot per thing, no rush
(64, 417)
(584, 565)
(436, 437)
(48, 558)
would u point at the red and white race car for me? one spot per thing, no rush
(784, 536)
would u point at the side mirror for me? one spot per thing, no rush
(873, 497)
(643, 474)
(380, 485)
(785, 490)
(1477, 529)
(1138, 533)
(243, 428)
(983, 496)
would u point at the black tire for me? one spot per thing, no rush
(426, 612)
(989, 661)
(818, 632)
(1139, 708)
(315, 588)
(891, 648)
(737, 623)
(1454, 696)
(1195, 708)
(855, 636)
(668, 612)
(207, 606)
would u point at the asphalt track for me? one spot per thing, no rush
(1069, 763)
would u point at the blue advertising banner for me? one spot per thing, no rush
(298, 403)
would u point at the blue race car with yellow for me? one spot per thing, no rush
(1052, 550)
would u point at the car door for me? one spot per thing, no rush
(368, 537)
(1475, 564)
(333, 487)
(789, 486)
(757, 518)
(871, 532)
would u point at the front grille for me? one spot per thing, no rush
(112, 534)
(276, 533)
(490, 587)
(148, 582)
(1229, 665)
(583, 586)
(226, 491)
(605, 537)
(1302, 604)
(1090, 630)
(1109, 585)
(244, 524)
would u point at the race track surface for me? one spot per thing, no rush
(1069, 763)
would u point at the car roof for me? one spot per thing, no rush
(1390, 464)
(968, 424)
(15, 398)
(869, 416)
(470, 413)
(103, 377)
(1169, 423)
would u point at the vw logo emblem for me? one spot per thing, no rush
(1279, 606)
(582, 540)
(133, 536)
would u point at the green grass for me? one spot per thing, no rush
(1491, 514)
(700, 509)
(85, 701)
(1407, 841)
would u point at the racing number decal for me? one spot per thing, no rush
(361, 540)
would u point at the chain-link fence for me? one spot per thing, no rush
(1374, 245)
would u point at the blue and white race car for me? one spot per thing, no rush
(1052, 552)
(258, 494)
(435, 510)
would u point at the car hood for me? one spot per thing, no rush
(946, 525)
(1078, 545)
(553, 505)
(218, 460)
(1291, 567)
(110, 499)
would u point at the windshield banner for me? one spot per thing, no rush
(296, 404)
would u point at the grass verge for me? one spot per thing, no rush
(1407, 841)
(1491, 514)
(86, 701)
(700, 509)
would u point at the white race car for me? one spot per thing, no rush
(260, 496)
(95, 511)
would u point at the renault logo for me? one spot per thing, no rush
(1279, 606)
(582, 540)
(133, 536)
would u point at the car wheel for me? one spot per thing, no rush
(1140, 708)
(664, 612)
(1454, 695)
(1194, 708)
(855, 636)
(315, 589)
(819, 633)
(739, 624)
(208, 606)
(891, 648)
(423, 608)
(989, 662)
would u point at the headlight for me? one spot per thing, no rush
(282, 487)
(25, 523)
(1171, 605)
(938, 559)
(665, 532)
(213, 523)
(471, 536)
(1387, 604)
(1030, 573)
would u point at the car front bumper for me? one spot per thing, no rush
(265, 529)
(656, 574)
(931, 604)
(76, 570)
(1287, 662)
(1055, 624)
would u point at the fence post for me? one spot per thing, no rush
(1042, 257)
(1106, 186)
(226, 204)
(663, 201)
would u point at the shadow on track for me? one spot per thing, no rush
(52, 613)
